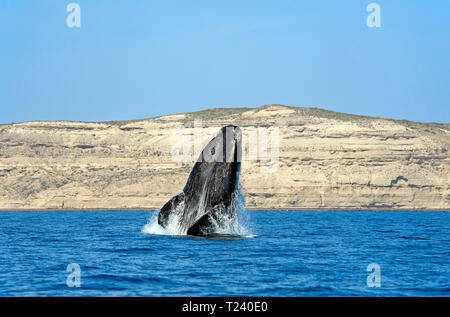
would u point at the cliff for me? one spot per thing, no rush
(326, 161)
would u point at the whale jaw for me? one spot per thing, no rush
(207, 198)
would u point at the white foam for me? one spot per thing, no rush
(153, 227)
(236, 226)
(239, 224)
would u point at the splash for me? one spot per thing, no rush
(172, 229)
(237, 226)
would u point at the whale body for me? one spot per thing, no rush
(206, 201)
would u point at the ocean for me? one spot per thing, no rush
(120, 253)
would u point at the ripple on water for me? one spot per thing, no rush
(286, 254)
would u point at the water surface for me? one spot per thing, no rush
(289, 254)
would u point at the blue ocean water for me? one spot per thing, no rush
(288, 254)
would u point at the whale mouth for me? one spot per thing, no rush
(237, 134)
(233, 141)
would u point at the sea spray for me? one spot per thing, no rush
(238, 224)
(172, 228)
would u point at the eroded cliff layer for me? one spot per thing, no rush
(326, 160)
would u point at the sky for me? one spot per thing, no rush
(140, 59)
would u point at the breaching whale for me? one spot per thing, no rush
(206, 201)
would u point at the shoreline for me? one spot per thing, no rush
(248, 209)
(325, 159)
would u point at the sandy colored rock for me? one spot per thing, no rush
(327, 160)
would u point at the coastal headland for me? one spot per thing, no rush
(324, 161)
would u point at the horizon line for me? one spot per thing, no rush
(225, 108)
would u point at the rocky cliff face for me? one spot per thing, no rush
(326, 160)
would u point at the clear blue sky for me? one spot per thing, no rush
(138, 59)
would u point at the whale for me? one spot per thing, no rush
(206, 202)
